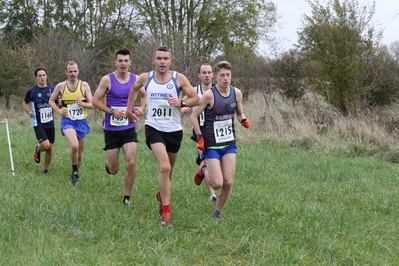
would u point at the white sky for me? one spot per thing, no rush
(291, 12)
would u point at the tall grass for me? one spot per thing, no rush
(312, 124)
(313, 204)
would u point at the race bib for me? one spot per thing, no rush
(75, 111)
(119, 121)
(162, 112)
(46, 115)
(223, 131)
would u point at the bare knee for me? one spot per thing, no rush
(45, 146)
(225, 184)
(75, 147)
(131, 165)
(216, 184)
(113, 170)
(165, 169)
(228, 184)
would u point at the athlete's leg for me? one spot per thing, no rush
(165, 170)
(213, 173)
(113, 160)
(130, 151)
(82, 144)
(48, 156)
(228, 166)
(74, 144)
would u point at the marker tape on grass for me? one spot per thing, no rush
(9, 145)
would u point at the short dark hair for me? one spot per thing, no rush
(162, 49)
(221, 65)
(40, 69)
(123, 51)
(204, 64)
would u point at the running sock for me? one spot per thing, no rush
(126, 198)
(166, 208)
(74, 167)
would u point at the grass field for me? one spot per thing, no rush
(288, 207)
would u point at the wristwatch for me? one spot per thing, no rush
(183, 103)
(111, 112)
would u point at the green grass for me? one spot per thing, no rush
(288, 207)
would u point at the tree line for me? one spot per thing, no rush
(338, 54)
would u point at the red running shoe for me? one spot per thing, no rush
(166, 219)
(199, 176)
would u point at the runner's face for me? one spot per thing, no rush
(162, 61)
(206, 74)
(123, 63)
(72, 72)
(41, 78)
(223, 78)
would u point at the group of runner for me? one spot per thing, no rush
(211, 107)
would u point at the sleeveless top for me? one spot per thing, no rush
(201, 117)
(73, 110)
(38, 97)
(117, 98)
(160, 115)
(219, 120)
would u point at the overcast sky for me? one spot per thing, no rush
(291, 12)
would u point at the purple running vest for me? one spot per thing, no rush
(116, 98)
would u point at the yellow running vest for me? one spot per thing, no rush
(73, 110)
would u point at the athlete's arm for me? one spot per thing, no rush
(143, 100)
(191, 96)
(206, 100)
(27, 109)
(89, 97)
(141, 82)
(54, 96)
(239, 108)
(186, 110)
(99, 94)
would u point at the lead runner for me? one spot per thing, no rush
(163, 128)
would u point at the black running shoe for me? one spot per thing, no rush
(74, 178)
(107, 169)
(128, 203)
(217, 215)
(36, 155)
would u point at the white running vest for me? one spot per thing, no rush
(160, 115)
(201, 117)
